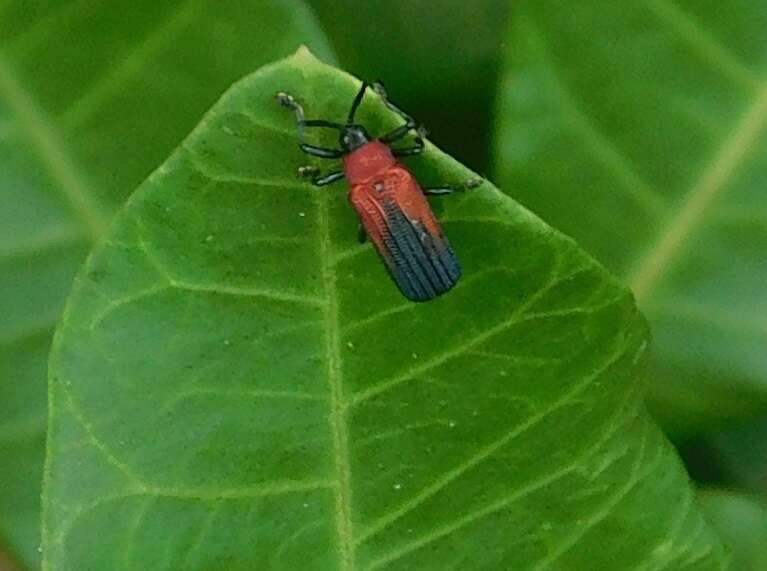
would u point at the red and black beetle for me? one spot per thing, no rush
(391, 205)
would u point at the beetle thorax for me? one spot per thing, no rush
(368, 161)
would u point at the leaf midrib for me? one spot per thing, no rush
(705, 44)
(337, 415)
(162, 35)
(46, 142)
(651, 267)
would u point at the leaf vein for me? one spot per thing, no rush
(467, 346)
(165, 33)
(604, 149)
(266, 293)
(263, 489)
(57, 238)
(709, 48)
(337, 416)
(52, 21)
(105, 450)
(487, 451)
(614, 424)
(203, 531)
(650, 267)
(116, 304)
(566, 543)
(130, 534)
(42, 137)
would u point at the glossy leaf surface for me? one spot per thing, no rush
(237, 380)
(93, 96)
(639, 130)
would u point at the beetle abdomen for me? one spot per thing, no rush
(423, 266)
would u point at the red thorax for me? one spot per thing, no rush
(370, 160)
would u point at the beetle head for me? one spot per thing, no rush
(353, 137)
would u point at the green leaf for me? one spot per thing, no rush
(237, 380)
(640, 130)
(92, 97)
(741, 450)
(742, 521)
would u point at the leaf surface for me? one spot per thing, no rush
(742, 521)
(237, 380)
(640, 131)
(93, 96)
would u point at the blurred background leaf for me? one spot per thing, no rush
(93, 96)
(639, 129)
(742, 452)
(6, 564)
(439, 60)
(742, 521)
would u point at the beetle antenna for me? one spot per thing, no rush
(357, 101)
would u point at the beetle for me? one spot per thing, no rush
(391, 205)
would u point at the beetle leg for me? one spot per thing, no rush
(379, 88)
(289, 102)
(402, 130)
(318, 180)
(357, 101)
(450, 189)
(308, 171)
(362, 236)
(438, 190)
(416, 149)
(320, 123)
(398, 133)
(473, 183)
(407, 152)
(328, 178)
(322, 152)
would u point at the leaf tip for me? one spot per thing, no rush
(304, 55)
